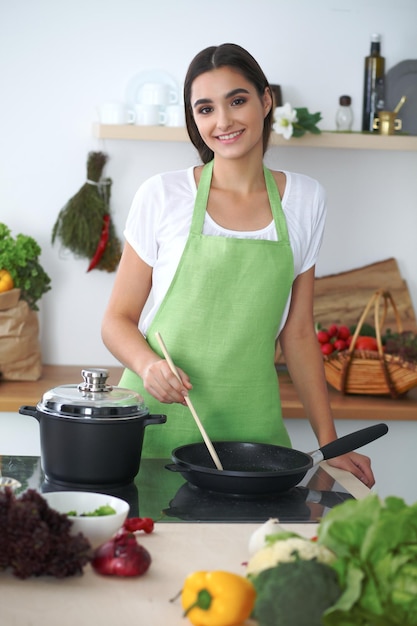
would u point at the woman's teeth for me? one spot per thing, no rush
(230, 135)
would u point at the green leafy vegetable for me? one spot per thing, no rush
(366, 330)
(375, 543)
(403, 344)
(106, 509)
(20, 258)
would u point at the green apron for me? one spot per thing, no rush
(219, 321)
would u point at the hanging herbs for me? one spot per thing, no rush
(84, 225)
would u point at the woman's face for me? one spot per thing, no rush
(228, 112)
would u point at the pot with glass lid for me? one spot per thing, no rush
(91, 434)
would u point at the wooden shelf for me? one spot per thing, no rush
(14, 394)
(345, 141)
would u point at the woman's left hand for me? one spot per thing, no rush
(357, 464)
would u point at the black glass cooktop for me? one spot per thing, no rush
(166, 497)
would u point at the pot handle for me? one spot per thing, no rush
(30, 410)
(350, 442)
(155, 419)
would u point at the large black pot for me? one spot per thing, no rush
(259, 468)
(91, 434)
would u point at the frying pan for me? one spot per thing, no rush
(260, 468)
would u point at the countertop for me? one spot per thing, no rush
(176, 550)
(15, 394)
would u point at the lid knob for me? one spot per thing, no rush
(94, 381)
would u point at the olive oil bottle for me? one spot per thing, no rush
(374, 84)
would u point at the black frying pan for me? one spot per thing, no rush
(259, 468)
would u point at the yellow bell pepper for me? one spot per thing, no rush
(217, 598)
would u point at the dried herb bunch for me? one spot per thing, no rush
(84, 225)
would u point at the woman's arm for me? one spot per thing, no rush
(304, 360)
(122, 337)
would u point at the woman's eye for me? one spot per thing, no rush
(238, 101)
(204, 110)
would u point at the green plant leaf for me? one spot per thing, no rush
(20, 257)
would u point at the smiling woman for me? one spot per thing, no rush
(231, 119)
(242, 64)
(229, 249)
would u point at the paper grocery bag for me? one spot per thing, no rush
(20, 351)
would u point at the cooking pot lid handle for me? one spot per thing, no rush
(94, 381)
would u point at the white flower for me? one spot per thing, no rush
(284, 118)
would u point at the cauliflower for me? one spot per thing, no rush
(288, 550)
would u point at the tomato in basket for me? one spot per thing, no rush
(366, 343)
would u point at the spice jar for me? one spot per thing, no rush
(344, 114)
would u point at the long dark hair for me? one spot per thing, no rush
(214, 57)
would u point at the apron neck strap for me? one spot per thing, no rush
(276, 206)
(203, 191)
(201, 199)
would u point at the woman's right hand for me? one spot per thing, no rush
(163, 385)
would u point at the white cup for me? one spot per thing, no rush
(115, 113)
(160, 94)
(174, 115)
(149, 115)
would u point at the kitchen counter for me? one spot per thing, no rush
(176, 550)
(14, 394)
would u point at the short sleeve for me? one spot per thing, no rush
(143, 218)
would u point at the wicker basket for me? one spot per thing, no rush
(371, 372)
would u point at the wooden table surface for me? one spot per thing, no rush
(14, 394)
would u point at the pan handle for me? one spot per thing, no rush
(172, 467)
(350, 442)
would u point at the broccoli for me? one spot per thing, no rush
(295, 594)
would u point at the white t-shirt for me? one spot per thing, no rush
(159, 221)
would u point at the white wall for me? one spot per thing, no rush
(58, 60)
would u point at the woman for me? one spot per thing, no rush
(231, 271)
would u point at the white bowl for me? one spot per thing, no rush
(97, 529)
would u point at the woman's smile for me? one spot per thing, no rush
(230, 136)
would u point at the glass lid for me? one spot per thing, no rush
(92, 398)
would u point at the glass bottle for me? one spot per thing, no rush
(374, 84)
(344, 114)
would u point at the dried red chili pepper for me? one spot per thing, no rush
(139, 523)
(101, 246)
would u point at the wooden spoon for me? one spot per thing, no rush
(201, 428)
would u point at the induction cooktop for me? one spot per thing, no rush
(167, 497)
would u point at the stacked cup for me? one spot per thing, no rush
(158, 105)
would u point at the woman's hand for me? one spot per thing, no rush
(163, 385)
(357, 464)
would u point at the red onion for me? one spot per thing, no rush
(121, 556)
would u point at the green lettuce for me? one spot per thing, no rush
(375, 543)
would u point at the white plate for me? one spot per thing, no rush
(151, 76)
(401, 80)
